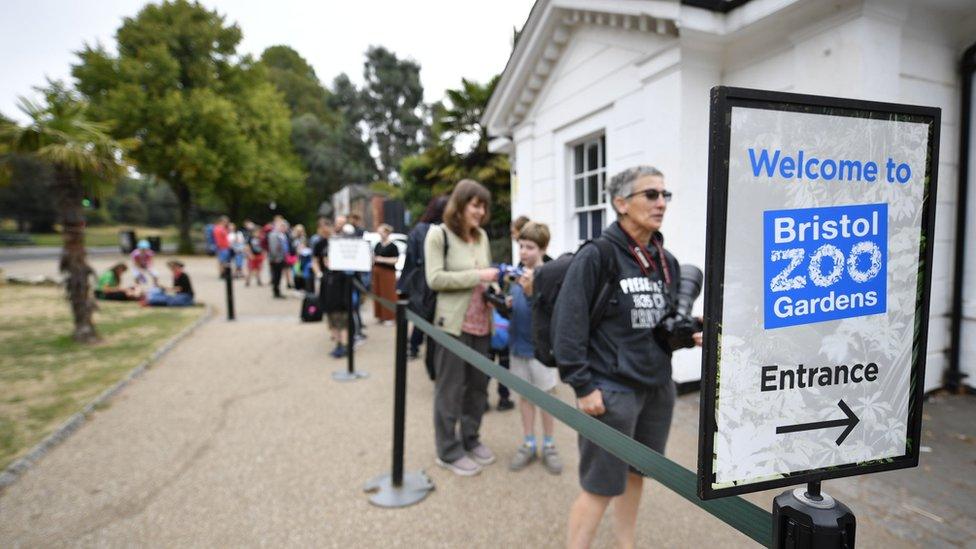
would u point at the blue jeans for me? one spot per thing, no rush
(159, 298)
(223, 256)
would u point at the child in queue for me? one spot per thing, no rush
(533, 240)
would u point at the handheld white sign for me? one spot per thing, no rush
(350, 254)
(821, 213)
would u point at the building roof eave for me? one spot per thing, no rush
(541, 41)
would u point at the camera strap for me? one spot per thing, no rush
(645, 260)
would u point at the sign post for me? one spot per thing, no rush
(821, 216)
(350, 255)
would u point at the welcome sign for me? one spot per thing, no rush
(820, 212)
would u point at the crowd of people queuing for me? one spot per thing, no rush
(605, 340)
(618, 368)
(299, 262)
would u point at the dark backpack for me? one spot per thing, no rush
(311, 308)
(546, 283)
(422, 300)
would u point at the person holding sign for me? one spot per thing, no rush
(333, 287)
(619, 365)
(458, 267)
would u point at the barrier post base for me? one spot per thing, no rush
(346, 375)
(806, 518)
(414, 489)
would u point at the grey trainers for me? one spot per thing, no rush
(522, 458)
(482, 455)
(551, 460)
(462, 466)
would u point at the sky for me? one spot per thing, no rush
(450, 39)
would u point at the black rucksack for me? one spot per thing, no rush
(421, 299)
(311, 308)
(546, 283)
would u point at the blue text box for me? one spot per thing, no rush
(824, 263)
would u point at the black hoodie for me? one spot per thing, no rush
(622, 349)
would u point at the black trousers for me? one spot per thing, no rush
(502, 357)
(277, 267)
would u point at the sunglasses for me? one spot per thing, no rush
(652, 195)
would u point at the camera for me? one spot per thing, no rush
(497, 299)
(677, 328)
(508, 272)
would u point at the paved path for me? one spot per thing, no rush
(239, 437)
(20, 253)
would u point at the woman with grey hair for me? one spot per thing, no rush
(618, 367)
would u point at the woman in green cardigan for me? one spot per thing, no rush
(458, 267)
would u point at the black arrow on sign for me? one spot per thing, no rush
(850, 422)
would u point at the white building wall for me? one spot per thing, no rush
(649, 94)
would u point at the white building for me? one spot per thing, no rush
(596, 86)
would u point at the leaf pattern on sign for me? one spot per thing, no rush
(746, 446)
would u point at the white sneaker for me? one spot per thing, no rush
(482, 455)
(462, 466)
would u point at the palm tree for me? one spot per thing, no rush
(83, 156)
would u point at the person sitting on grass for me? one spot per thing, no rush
(180, 295)
(142, 258)
(532, 240)
(109, 286)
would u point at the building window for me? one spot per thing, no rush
(589, 184)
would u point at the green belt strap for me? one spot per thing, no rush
(738, 513)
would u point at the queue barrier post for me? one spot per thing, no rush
(744, 516)
(808, 518)
(398, 489)
(350, 373)
(228, 277)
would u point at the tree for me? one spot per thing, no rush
(297, 82)
(27, 196)
(331, 149)
(333, 156)
(458, 150)
(392, 107)
(209, 123)
(83, 156)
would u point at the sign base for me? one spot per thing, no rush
(346, 375)
(414, 489)
(807, 518)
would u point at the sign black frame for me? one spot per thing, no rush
(723, 99)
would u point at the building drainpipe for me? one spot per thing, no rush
(954, 376)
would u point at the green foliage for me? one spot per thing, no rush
(325, 137)
(209, 122)
(61, 133)
(333, 155)
(27, 196)
(142, 202)
(459, 150)
(297, 82)
(392, 107)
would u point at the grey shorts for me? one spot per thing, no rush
(644, 416)
(338, 320)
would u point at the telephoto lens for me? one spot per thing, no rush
(689, 288)
(677, 329)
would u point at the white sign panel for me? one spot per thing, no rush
(350, 254)
(817, 286)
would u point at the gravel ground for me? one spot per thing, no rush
(239, 437)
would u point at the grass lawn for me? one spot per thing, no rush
(107, 235)
(45, 377)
